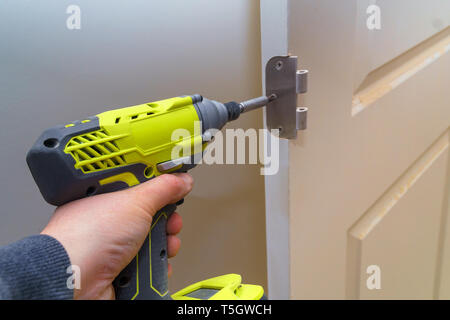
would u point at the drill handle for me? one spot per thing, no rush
(146, 275)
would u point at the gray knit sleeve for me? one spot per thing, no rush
(34, 268)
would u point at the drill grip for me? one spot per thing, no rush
(146, 275)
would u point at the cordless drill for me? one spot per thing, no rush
(121, 148)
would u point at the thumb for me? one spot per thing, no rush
(161, 191)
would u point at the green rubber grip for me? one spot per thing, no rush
(145, 278)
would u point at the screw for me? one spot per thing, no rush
(279, 65)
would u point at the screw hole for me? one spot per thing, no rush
(279, 65)
(51, 143)
(148, 172)
(91, 190)
(162, 254)
(124, 281)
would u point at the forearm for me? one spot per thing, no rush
(34, 268)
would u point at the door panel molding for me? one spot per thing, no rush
(389, 76)
(384, 206)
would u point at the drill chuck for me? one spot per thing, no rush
(215, 115)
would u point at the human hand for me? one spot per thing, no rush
(103, 233)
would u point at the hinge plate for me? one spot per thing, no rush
(285, 81)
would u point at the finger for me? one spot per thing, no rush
(173, 245)
(169, 270)
(174, 224)
(161, 191)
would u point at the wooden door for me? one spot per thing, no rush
(359, 209)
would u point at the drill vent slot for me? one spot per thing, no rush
(95, 151)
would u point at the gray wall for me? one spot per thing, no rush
(126, 53)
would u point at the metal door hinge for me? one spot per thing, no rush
(285, 82)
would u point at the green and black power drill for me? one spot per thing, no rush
(121, 148)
